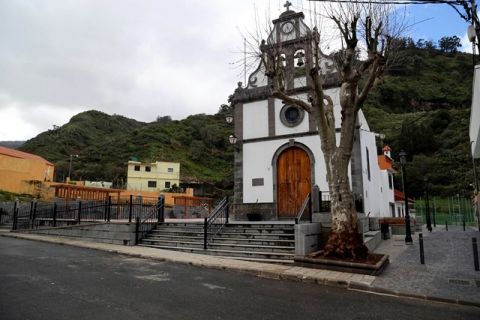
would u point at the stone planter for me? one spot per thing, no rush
(342, 265)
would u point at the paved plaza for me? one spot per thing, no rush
(448, 271)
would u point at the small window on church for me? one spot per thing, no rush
(291, 116)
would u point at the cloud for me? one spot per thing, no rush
(136, 58)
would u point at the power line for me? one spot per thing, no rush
(451, 2)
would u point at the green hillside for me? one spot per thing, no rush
(105, 143)
(421, 106)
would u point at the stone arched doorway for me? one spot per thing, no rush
(293, 181)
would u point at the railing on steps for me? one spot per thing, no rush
(306, 206)
(215, 222)
(145, 224)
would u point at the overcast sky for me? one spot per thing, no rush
(138, 58)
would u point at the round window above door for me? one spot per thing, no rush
(291, 116)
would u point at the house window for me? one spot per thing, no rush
(170, 169)
(137, 168)
(167, 184)
(148, 169)
(390, 181)
(152, 184)
(368, 164)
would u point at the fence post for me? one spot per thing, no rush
(31, 210)
(310, 206)
(320, 200)
(105, 209)
(130, 207)
(422, 255)
(475, 253)
(161, 209)
(34, 214)
(227, 213)
(79, 217)
(205, 229)
(109, 208)
(15, 206)
(137, 229)
(15, 218)
(54, 214)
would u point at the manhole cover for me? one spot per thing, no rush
(461, 282)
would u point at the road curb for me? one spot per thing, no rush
(268, 274)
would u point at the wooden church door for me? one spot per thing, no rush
(293, 181)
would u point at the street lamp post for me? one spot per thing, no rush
(408, 234)
(427, 206)
(70, 165)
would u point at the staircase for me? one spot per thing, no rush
(254, 242)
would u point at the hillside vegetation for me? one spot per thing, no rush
(422, 106)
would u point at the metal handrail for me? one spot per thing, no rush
(154, 216)
(306, 203)
(37, 215)
(220, 211)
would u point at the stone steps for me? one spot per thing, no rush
(254, 242)
(233, 254)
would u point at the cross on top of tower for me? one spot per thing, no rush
(287, 5)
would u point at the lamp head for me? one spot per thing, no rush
(232, 139)
(403, 157)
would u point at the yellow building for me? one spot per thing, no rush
(154, 176)
(22, 172)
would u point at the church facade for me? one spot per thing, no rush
(278, 156)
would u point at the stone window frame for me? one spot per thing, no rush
(285, 121)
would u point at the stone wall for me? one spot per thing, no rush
(116, 233)
(254, 212)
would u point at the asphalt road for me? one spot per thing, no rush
(49, 281)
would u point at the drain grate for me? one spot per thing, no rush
(461, 282)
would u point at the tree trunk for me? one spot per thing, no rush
(344, 241)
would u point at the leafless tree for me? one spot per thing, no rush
(366, 32)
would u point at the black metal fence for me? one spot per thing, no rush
(34, 215)
(146, 223)
(215, 222)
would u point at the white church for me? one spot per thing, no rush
(278, 158)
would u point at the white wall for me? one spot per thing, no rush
(373, 187)
(399, 209)
(387, 195)
(257, 163)
(281, 129)
(255, 119)
(475, 114)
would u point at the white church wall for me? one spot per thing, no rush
(257, 164)
(281, 129)
(300, 82)
(372, 182)
(255, 119)
(387, 195)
